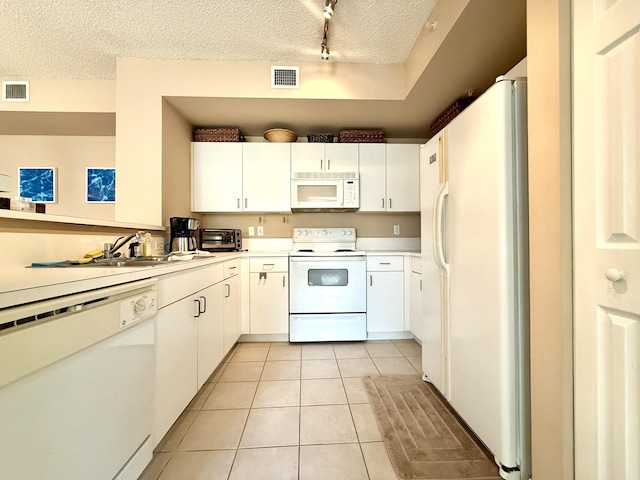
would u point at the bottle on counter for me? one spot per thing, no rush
(147, 249)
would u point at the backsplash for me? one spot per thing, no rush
(282, 225)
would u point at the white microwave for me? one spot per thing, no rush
(330, 191)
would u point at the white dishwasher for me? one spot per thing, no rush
(76, 385)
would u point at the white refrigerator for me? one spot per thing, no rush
(475, 268)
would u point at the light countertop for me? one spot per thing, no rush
(29, 284)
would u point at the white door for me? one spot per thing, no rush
(385, 301)
(403, 177)
(268, 303)
(210, 331)
(266, 184)
(435, 286)
(373, 177)
(606, 162)
(341, 157)
(307, 157)
(216, 176)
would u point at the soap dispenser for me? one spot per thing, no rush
(147, 250)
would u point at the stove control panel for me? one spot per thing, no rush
(324, 234)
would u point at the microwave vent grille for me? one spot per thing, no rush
(326, 175)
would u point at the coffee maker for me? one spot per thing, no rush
(183, 234)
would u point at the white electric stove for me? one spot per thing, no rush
(327, 286)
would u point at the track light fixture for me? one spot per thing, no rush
(324, 46)
(328, 8)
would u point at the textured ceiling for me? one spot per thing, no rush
(83, 38)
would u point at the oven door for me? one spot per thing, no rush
(326, 284)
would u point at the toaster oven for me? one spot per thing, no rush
(221, 239)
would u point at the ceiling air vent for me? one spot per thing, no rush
(285, 77)
(13, 91)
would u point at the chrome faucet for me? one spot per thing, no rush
(110, 249)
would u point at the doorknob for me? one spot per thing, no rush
(614, 274)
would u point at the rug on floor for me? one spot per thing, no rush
(424, 438)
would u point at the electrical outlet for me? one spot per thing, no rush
(396, 229)
(252, 231)
(260, 230)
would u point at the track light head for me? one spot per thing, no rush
(329, 6)
(325, 52)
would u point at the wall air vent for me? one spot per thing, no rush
(285, 77)
(15, 91)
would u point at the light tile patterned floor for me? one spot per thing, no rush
(280, 411)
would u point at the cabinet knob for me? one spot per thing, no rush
(614, 274)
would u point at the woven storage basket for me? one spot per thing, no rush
(320, 138)
(280, 135)
(449, 114)
(361, 136)
(202, 134)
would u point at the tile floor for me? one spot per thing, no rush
(280, 411)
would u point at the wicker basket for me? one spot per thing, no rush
(203, 134)
(280, 135)
(449, 114)
(361, 136)
(320, 138)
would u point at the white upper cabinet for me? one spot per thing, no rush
(324, 157)
(389, 177)
(216, 176)
(240, 177)
(373, 178)
(265, 177)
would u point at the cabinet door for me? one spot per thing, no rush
(341, 157)
(231, 311)
(373, 194)
(403, 177)
(176, 362)
(269, 302)
(210, 331)
(216, 176)
(265, 177)
(385, 301)
(307, 157)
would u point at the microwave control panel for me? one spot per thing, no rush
(351, 190)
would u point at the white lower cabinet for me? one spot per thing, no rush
(209, 323)
(189, 339)
(269, 295)
(385, 294)
(232, 306)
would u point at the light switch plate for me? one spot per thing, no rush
(252, 231)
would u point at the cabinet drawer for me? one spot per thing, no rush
(231, 268)
(175, 286)
(384, 263)
(269, 264)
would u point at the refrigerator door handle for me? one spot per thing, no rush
(439, 217)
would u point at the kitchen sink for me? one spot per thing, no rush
(136, 262)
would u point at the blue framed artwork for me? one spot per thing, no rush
(38, 184)
(101, 185)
